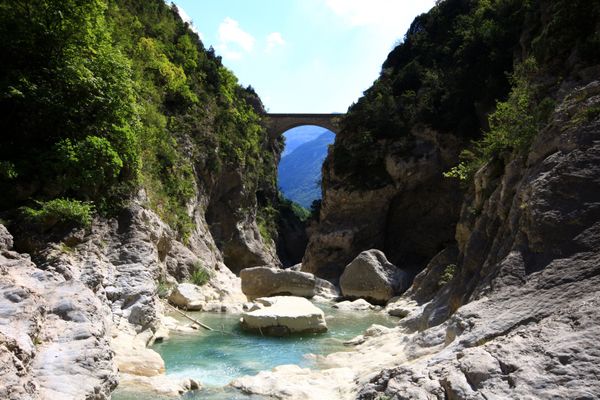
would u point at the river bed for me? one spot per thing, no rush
(216, 358)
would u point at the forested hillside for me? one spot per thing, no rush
(298, 136)
(99, 99)
(131, 162)
(453, 66)
(299, 172)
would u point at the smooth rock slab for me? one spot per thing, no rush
(159, 385)
(284, 315)
(356, 305)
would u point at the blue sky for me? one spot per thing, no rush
(303, 55)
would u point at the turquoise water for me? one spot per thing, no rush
(217, 358)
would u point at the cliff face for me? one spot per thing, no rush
(520, 316)
(166, 148)
(232, 212)
(506, 306)
(411, 218)
(383, 180)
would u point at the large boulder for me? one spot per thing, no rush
(372, 277)
(187, 296)
(267, 281)
(283, 315)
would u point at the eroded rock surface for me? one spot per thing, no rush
(410, 216)
(528, 319)
(53, 335)
(271, 281)
(90, 307)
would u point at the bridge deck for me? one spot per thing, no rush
(280, 122)
(304, 115)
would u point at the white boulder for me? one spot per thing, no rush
(187, 296)
(283, 315)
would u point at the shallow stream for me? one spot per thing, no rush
(217, 358)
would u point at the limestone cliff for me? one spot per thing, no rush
(383, 183)
(410, 218)
(520, 317)
(90, 304)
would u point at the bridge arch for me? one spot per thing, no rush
(279, 123)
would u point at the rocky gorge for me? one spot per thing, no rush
(462, 202)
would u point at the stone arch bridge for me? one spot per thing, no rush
(279, 123)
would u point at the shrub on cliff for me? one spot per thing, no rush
(58, 211)
(512, 126)
(200, 275)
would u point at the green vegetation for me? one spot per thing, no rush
(101, 98)
(200, 275)
(300, 212)
(163, 289)
(512, 126)
(67, 101)
(59, 211)
(267, 223)
(447, 275)
(65, 248)
(453, 69)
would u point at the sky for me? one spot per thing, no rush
(303, 56)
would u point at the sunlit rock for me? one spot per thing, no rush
(284, 315)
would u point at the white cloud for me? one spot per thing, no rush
(230, 33)
(186, 18)
(382, 15)
(274, 39)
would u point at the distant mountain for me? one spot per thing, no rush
(298, 136)
(300, 170)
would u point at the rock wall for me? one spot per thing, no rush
(524, 301)
(89, 304)
(410, 219)
(54, 334)
(231, 212)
